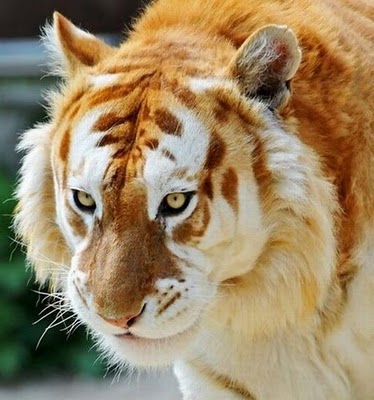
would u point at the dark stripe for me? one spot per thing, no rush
(109, 121)
(216, 152)
(117, 91)
(229, 188)
(109, 140)
(195, 226)
(65, 145)
(73, 105)
(167, 122)
(183, 94)
(152, 143)
(166, 153)
(207, 187)
(221, 380)
(170, 302)
(116, 179)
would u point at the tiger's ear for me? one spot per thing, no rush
(72, 49)
(265, 64)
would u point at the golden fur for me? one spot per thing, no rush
(271, 272)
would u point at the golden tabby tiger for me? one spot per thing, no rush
(203, 195)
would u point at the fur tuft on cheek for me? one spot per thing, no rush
(35, 213)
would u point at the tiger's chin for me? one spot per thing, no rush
(145, 352)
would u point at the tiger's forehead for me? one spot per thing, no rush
(145, 127)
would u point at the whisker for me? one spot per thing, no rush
(47, 294)
(46, 315)
(53, 325)
(73, 327)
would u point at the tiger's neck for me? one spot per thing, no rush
(300, 211)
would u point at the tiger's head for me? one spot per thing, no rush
(147, 190)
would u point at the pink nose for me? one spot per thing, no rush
(124, 322)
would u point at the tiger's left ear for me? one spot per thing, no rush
(72, 49)
(265, 64)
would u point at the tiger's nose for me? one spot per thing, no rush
(126, 321)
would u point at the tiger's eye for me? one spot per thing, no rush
(84, 201)
(176, 200)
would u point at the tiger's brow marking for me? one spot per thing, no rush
(151, 143)
(170, 156)
(167, 122)
(119, 134)
(183, 173)
(109, 121)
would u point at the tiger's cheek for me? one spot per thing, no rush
(193, 229)
(75, 226)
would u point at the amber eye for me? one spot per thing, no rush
(175, 203)
(176, 200)
(84, 201)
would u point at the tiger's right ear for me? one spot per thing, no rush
(265, 64)
(72, 49)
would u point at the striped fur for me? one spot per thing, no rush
(262, 286)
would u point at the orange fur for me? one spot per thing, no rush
(282, 163)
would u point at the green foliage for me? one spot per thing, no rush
(20, 307)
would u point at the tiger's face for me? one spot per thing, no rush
(156, 194)
(154, 206)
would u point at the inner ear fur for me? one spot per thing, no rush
(71, 48)
(265, 64)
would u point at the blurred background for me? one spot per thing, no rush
(59, 366)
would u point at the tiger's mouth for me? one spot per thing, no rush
(164, 329)
(143, 351)
(156, 350)
(127, 334)
(135, 338)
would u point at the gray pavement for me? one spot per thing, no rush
(142, 387)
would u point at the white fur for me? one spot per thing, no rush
(34, 211)
(56, 59)
(353, 342)
(100, 81)
(200, 85)
(87, 164)
(189, 150)
(234, 244)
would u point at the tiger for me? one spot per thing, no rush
(202, 195)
